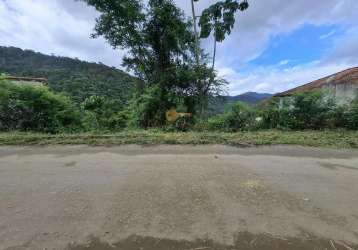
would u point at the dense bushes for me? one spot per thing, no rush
(102, 114)
(314, 110)
(350, 115)
(240, 117)
(26, 107)
(148, 109)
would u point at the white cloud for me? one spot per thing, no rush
(48, 27)
(284, 62)
(346, 48)
(63, 27)
(271, 79)
(327, 35)
(266, 19)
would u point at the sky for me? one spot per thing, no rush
(275, 45)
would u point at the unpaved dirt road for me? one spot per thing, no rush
(178, 197)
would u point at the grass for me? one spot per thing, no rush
(326, 138)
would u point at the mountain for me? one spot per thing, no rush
(221, 104)
(73, 77)
(249, 97)
(80, 79)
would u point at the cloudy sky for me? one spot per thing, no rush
(276, 44)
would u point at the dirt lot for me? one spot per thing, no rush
(178, 197)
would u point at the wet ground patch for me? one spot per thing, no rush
(243, 241)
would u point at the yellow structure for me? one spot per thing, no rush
(172, 115)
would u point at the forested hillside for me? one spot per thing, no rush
(224, 103)
(249, 97)
(76, 78)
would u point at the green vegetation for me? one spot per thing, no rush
(333, 139)
(162, 53)
(313, 110)
(35, 108)
(26, 107)
(77, 79)
(87, 103)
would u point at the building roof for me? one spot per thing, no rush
(26, 79)
(348, 76)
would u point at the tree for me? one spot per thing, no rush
(219, 18)
(161, 50)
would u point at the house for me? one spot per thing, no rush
(26, 80)
(343, 86)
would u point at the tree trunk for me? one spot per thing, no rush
(214, 54)
(197, 46)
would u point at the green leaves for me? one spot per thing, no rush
(220, 18)
(26, 107)
(120, 21)
(161, 51)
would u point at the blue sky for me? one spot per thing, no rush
(275, 45)
(303, 45)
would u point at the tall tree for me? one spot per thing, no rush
(219, 19)
(197, 45)
(161, 49)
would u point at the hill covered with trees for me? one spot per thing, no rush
(75, 78)
(224, 103)
(249, 97)
(174, 74)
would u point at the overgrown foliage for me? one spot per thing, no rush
(27, 107)
(240, 117)
(102, 114)
(161, 52)
(35, 108)
(310, 110)
(313, 110)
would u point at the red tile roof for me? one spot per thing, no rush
(348, 76)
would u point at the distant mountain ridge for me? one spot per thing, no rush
(223, 103)
(249, 97)
(76, 78)
(80, 79)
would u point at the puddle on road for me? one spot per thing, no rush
(243, 241)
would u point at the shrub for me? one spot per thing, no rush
(351, 115)
(219, 122)
(240, 117)
(118, 120)
(148, 109)
(27, 107)
(276, 114)
(103, 114)
(310, 110)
